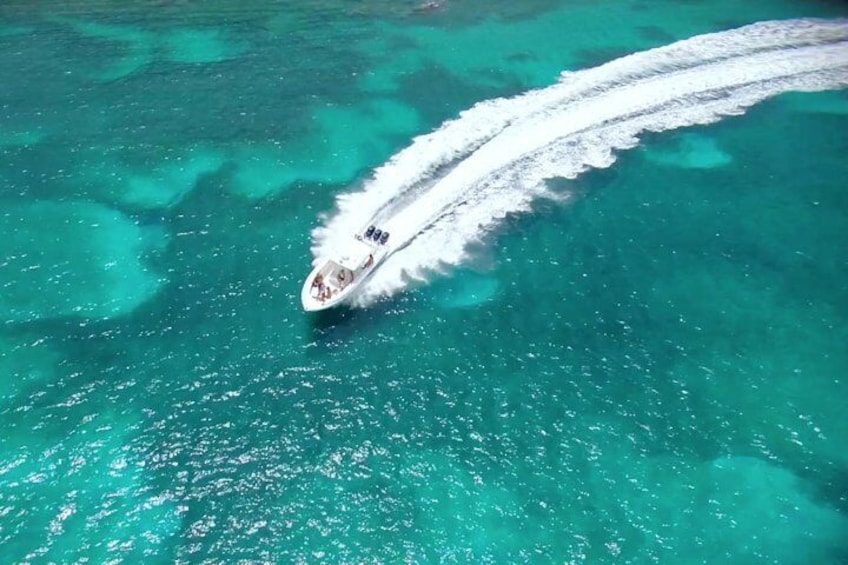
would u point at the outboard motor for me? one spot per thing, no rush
(370, 231)
(377, 234)
(384, 238)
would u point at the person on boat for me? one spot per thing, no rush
(344, 279)
(370, 261)
(325, 293)
(318, 281)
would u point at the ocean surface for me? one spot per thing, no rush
(614, 330)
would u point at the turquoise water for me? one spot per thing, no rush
(650, 368)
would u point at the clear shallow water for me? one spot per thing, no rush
(649, 371)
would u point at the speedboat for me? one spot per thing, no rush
(334, 280)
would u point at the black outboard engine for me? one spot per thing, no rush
(384, 238)
(377, 234)
(370, 231)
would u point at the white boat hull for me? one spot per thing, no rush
(334, 281)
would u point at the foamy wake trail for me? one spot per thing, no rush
(452, 186)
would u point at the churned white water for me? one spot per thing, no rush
(450, 187)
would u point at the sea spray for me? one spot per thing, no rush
(452, 186)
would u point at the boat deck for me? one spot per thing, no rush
(330, 283)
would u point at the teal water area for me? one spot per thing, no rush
(650, 372)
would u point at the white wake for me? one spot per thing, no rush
(451, 186)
